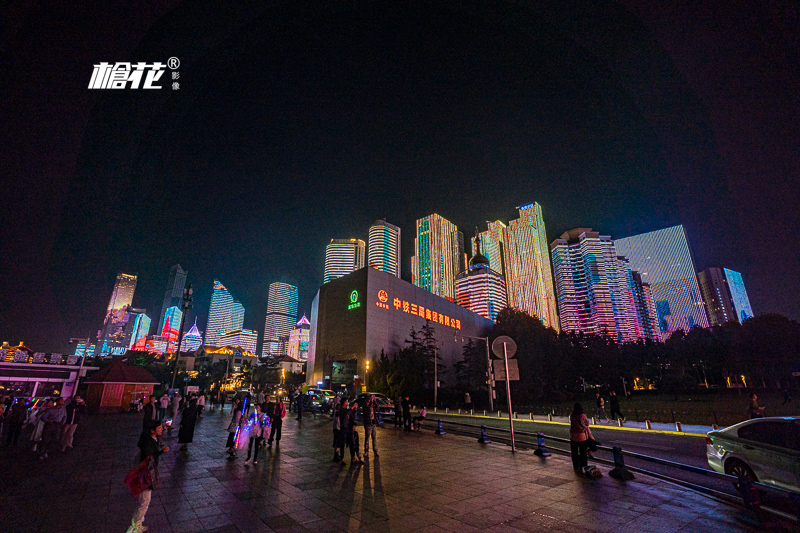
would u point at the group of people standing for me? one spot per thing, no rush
(616, 412)
(402, 414)
(267, 419)
(54, 423)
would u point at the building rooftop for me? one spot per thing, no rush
(121, 372)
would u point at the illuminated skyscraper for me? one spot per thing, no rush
(219, 314)
(173, 297)
(138, 327)
(384, 247)
(281, 315)
(343, 256)
(237, 316)
(123, 291)
(172, 322)
(664, 261)
(111, 336)
(192, 340)
(718, 287)
(479, 288)
(529, 278)
(240, 338)
(438, 256)
(492, 246)
(298, 340)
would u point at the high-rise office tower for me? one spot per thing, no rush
(172, 322)
(438, 256)
(298, 340)
(646, 315)
(479, 288)
(219, 314)
(528, 275)
(192, 340)
(111, 336)
(240, 338)
(138, 327)
(237, 316)
(718, 287)
(623, 291)
(665, 263)
(585, 269)
(281, 315)
(173, 296)
(492, 246)
(343, 256)
(384, 247)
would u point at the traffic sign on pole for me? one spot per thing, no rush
(510, 347)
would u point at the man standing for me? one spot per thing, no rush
(54, 420)
(615, 406)
(19, 412)
(75, 410)
(276, 411)
(163, 404)
(467, 401)
(398, 413)
(406, 404)
(149, 413)
(370, 425)
(201, 403)
(601, 407)
(260, 398)
(176, 404)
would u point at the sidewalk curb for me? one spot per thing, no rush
(597, 426)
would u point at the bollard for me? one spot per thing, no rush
(516, 415)
(678, 427)
(530, 415)
(434, 409)
(471, 412)
(446, 410)
(637, 414)
(673, 415)
(484, 412)
(621, 422)
(550, 417)
(594, 421)
(440, 429)
(380, 418)
(648, 425)
(484, 438)
(459, 410)
(498, 414)
(620, 471)
(541, 450)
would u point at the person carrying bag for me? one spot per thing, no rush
(144, 479)
(581, 441)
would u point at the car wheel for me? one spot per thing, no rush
(738, 468)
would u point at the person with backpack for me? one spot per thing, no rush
(276, 411)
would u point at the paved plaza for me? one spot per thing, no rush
(420, 482)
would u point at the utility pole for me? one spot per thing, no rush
(86, 343)
(508, 396)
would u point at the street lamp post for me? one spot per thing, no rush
(185, 306)
(366, 377)
(86, 343)
(489, 372)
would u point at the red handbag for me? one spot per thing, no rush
(138, 479)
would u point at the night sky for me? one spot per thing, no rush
(300, 122)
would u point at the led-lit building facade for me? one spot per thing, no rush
(527, 271)
(237, 316)
(343, 256)
(718, 286)
(492, 246)
(192, 339)
(173, 296)
(646, 319)
(246, 339)
(438, 256)
(479, 288)
(124, 288)
(138, 327)
(172, 322)
(219, 314)
(111, 336)
(281, 316)
(298, 340)
(664, 262)
(81, 350)
(384, 247)
(357, 316)
(741, 303)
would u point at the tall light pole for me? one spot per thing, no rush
(435, 375)
(86, 343)
(366, 377)
(185, 306)
(489, 373)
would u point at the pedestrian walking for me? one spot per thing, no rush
(615, 410)
(340, 420)
(38, 424)
(54, 420)
(201, 404)
(16, 419)
(467, 401)
(579, 436)
(601, 407)
(151, 449)
(188, 420)
(75, 410)
(260, 398)
(233, 427)
(351, 435)
(163, 404)
(176, 405)
(259, 422)
(300, 402)
(398, 412)
(336, 402)
(406, 404)
(418, 419)
(149, 413)
(370, 425)
(222, 399)
(753, 409)
(276, 411)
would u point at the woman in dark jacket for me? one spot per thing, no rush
(188, 420)
(150, 447)
(340, 421)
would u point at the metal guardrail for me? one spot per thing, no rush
(748, 491)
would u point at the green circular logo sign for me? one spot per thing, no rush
(354, 297)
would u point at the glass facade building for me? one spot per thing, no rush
(384, 247)
(298, 340)
(173, 296)
(527, 270)
(438, 256)
(247, 339)
(192, 339)
(664, 262)
(741, 303)
(111, 336)
(220, 314)
(282, 303)
(479, 288)
(491, 243)
(724, 296)
(343, 256)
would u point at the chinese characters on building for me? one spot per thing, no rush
(412, 308)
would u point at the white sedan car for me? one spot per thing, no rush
(766, 450)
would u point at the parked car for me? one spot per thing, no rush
(766, 450)
(385, 405)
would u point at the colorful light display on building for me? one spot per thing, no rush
(192, 340)
(527, 271)
(298, 340)
(173, 296)
(724, 296)
(111, 336)
(664, 261)
(343, 256)
(221, 313)
(384, 247)
(492, 246)
(741, 303)
(479, 288)
(246, 339)
(281, 315)
(438, 256)
(172, 322)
